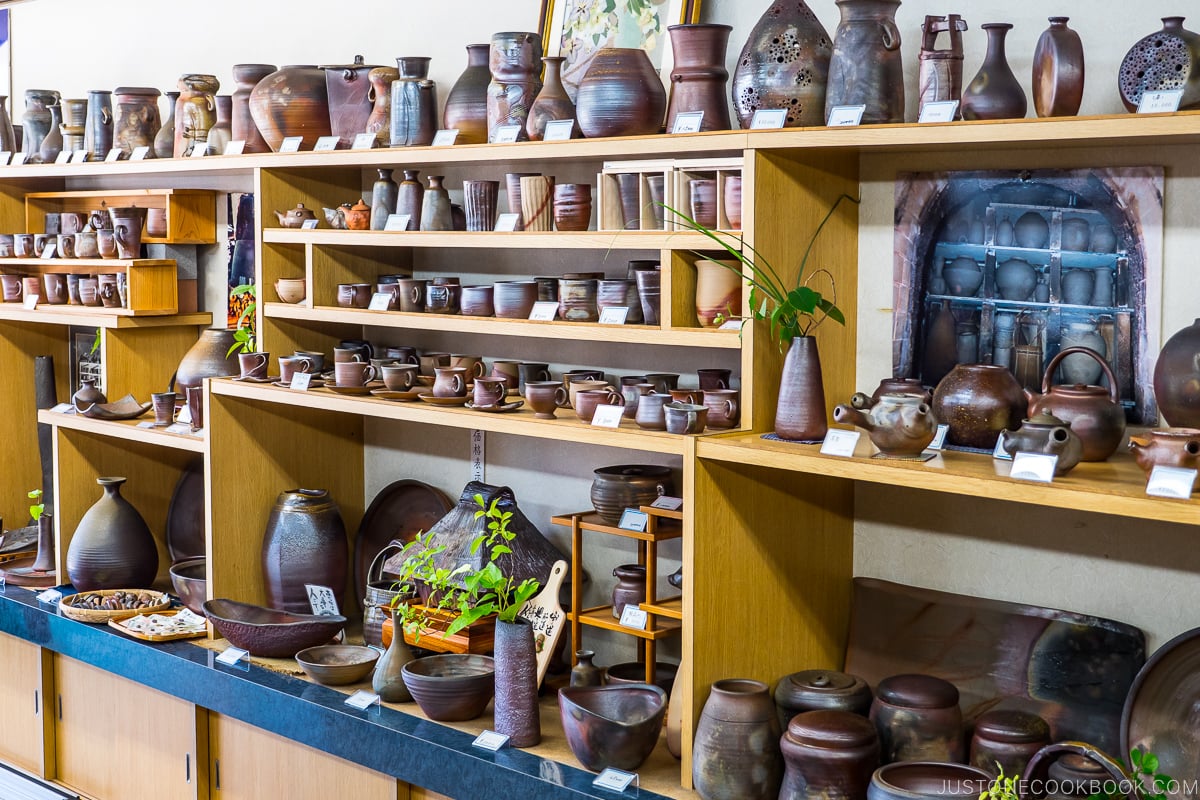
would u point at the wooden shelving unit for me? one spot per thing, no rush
(191, 213)
(533, 240)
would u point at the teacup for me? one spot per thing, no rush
(663, 381)
(450, 382)
(685, 417)
(290, 365)
(399, 377)
(11, 285)
(402, 354)
(431, 361)
(73, 289)
(65, 243)
(633, 392)
(692, 396)
(106, 243)
(713, 378)
(581, 374)
(291, 290)
(531, 371)
(509, 370)
(544, 397)
(438, 299)
(473, 364)
(345, 295)
(23, 245)
(489, 392)
(86, 245)
(722, 407)
(651, 414)
(6, 246)
(410, 294)
(89, 291)
(315, 358)
(353, 373)
(71, 222)
(392, 291)
(253, 365)
(53, 222)
(56, 288)
(31, 286)
(586, 401)
(40, 240)
(582, 386)
(341, 354)
(164, 408)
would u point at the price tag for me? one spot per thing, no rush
(999, 452)
(839, 443)
(322, 599)
(63, 157)
(199, 150)
(326, 143)
(634, 520)
(21, 158)
(114, 154)
(380, 301)
(939, 438)
(230, 656)
(30, 302)
(79, 156)
(3, 585)
(668, 503)
(235, 147)
(301, 381)
(51, 250)
(845, 116)
(1174, 482)
(291, 144)
(507, 222)
(181, 428)
(445, 137)
(5, 157)
(147, 424)
(364, 141)
(558, 130)
(615, 779)
(140, 153)
(614, 315)
(507, 133)
(477, 455)
(634, 617)
(939, 111)
(768, 119)
(397, 222)
(1166, 102)
(688, 122)
(309, 224)
(490, 740)
(608, 416)
(544, 311)
(1037, 467)
(362, 700)
(730, 325)
(49, 596)
(64, 408)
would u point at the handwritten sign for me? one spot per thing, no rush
(199, 150)
(322, 600)
(634, 520)
(615, 779)
(301, 381)
(230, 656)
(380, 301)
(63, 157)
(326, 143)
(614, 315)
(50, 596)
(1176, 482)
(668, 503)
(397, 222)
(114, 154)
(607, 416)
(634, 617)
(364, 141)
(845, 116)
(688, 122)
(507, 133)
(309, 224)
(1165, 102)
(544, 311)
(839, 443)
(507, 222)
(939, 438)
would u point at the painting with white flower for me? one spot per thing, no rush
(577, 29)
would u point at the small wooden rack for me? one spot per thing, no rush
(191, 213)
(153, 282)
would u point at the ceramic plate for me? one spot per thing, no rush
(388, 394)
(1160, 710)
(125, 408)
(248, 379)
(399, 512)
(350, 390)
(498, 409)
(443, 401)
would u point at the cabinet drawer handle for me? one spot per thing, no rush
(60, 706)
(187, 767)
(217, 772)
(35, 702)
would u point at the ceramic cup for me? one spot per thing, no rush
(663, 382)
(685, 417)
(164, 408)
(291, 290)
(693, 396)
(713, 378)
(315, 358)
(87, 245)
(23, 245)
(586, 401)
(70, 222)
(53, 222)
(65, 242)
(509, 370)
(488, 392)
(40, 240)
(531, 371)
(11, 286)
(431, 361)
(89, 291)
(411, 294)
(341, 354)
(31, 286)
(537, 202)
(290, 365)
(73, 289)
(450, 382)
(392, 290)
(195, 404)
(353, 373)
(651, 414)
(438, 299)
(6, 246)
(476, 301)
(106, 243)
(723, 408)
(633, 392)
(107, 289)
(402, 354)
(584, 385)
(253, 365)
(543, 397)
(399, 377)
(474, 365)
(56, 288)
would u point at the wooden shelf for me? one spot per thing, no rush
(99, 317)
(671, 608)
(128, 430)
(191, 214)
(1116, 486)
(602, 617)
(533, 240)
(590, 521)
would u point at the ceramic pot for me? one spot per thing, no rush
(619, 294)
(414, 104)
(480, 200)
(784, 64)
(514, 61)
(1103, 239)
(1075, 233)
(195, 111)
(630, 588)
(305, 542)
(1177, 378)
(36, 120)
(1007, 737)
(978, 401)
(617, 488)
(918, 719)
(800, 407)
(410, 198)
(347, 89)
(1094, 413)
(733, 201)
(52, 145)
(821, 690)
(1164, 60)
(1078, 286)
(242, 127)
(698, 76)
(1031, 230)
(516, 703)
(926, 780)
(128, 222)
(620, 95)
(552, 102)
(135, 117)
(164, 140)
(379, 121)
(577, 300)
(205, 359)
(1102, 293)
(585, 673)
(718, 291)
(1170, 447)
(898, 424)
(994, 92)
(866, 66)
(291, 101)
(1016, 279)
(388, 679)
(649, 293)
(512, 185)
(384, 195)
(537, 202)
(735, 752)
(702, 199)
(466, 105)
(829, 755)
(1081, 368)
(435, 207)
(514, 299)
(963, 276)
(112, 547)
(572, 206)
(723, 407)
(88, 394)
(476, 301)
(1048, 435)
(8, 137)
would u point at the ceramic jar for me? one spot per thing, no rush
(291, 101)
(963, 276)
(620, 95)
(918, 719)
(617, 488)
(866, 67)
(112, 547)
(135, 117)
(698, 76)
(242, 127)
(74, 120)
(898, 424)
(466, 105)
(1170, 447)
(98, 132)
(347, 88)
(304, 543)
(577, 300)
(1075, 233)
(994, 92)
(1031, 230)
(718, 291)
(784, 64)
(1094, 413)
(514, 299)
(537, 202)
(36, 121)
(1080, 367)
(1078, 286)
(207, 358)
(585, 673)
(552, 103)
(195, 111)
(52, 145)
(978, 401)
(1103, 239)
(1007, 737)
(384, 194)
(514, 61)
(821, 690)
(1046, 434)
(379, 121)
(630, 589)
(1177, 378)
(414, 104)
(830, 755)
(164, 140)
(735, 752)
(1016, 279)
(221, 133)
(1166, 59)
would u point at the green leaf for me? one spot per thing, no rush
(1135, 758)
(1149, 763)
(500, 550)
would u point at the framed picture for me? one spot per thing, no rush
(86, 364)
(576, 29)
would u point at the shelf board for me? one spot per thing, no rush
(531, 240)
(128, 430)
(671, 608)
(1116, 486)
(86, 265)
(493, 326)
(602, 617)
(591, 522)
(99, 317)
(518, 423)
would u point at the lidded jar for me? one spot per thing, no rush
(628, 486)
(829, 755)
(821, 690)
(1007, 737)
(135, 117)
(918, 719)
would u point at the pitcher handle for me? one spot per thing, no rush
(890, 34)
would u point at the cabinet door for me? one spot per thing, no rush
(117, 739)
(22, 736)
(252, 764)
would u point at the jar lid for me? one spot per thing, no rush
(358, 64)
(148, 91)
(832, 729)
(917, 691)
(1011, 725)
(813, 689)
(633, 471)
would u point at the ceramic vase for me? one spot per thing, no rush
(135, 117)
(978, 401)
(940, 353)
(195, 111)
(649, 293)
(620, 95)
(800, 408)
(466, 105)
(98, 134)
(221, 133)
(735, 754)
(164, 140)
(572, 206)
(1078, 286)
(435, 207)
(552, 102)
(112, 547)
(994, 92)
(1177, 378)
(516, 704)
(514, 60)
(414, 104)
(52, 145)
(699, 77)
(866, 66)
(242, 127)
(304, 543)
(718, 291)
(384, 196)
(585, 673)
(1058, 71)
(1164, 60)
(479, 203)
(410, 199)
(388, 679)
(291, 101)
(8, 137)
(36, 119)
(379, 121)
(784, 64)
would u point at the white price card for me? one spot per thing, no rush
(544, 310)
(30, 302)
(114, 154)
(731, 325)
(845, 116)
(508, 221)
(634, 520)
(63, 157)
(5, 157)
(199, 150)
(1174, 482)
(615, 779)
(507, 133)
(147, 424)
(322, 600)
(362, 700)
(3, 585)
(939, 438)
(939, 111)
(1166, 102)
(668, 503)
(634, 617)
(51, 250)
(364, 141)
(614, 315)
(380, 301)
(999, 452)
(180, 427)
(1037, 467)
(21, 158)
(558, 130)
(309, 224)
(301, 381)
(291, 144)
(445, 137)
(232, 655)
(49, 596)
(235, 147)
(326, 143)
(140, 153)
(839, 443)
(478, 444)
(490, 740)
(63, 408)
(768, 119)
(79, 156)
(688, 122)
(607, 416)
(397, 222)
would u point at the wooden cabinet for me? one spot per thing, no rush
(27, 728)
(118, 739)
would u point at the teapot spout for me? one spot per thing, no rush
(852, 416)
(280, 216)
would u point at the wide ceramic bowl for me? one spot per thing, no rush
(190, 579)
(634, 672)
(612, 726)
(926, 780)
(337, 664)
(452, 687)
(291, 290)
(267, 632)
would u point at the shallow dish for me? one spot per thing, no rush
(388, 394)
(315, 383)
(337, 664)
(445, 401)
(190, 579)
(914, 780)
(498, 408)
(253, 379)
(125, 408)
(612, 726)
(268, 632)
(452, 687)
(357, 391)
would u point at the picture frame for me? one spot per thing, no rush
(85, 364)
(576, 29)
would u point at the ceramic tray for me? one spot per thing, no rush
(1161, 710)
(126, 408)
(400, 511)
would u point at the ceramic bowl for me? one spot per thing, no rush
(337, 664)
(916, 780)
(267, 632)
(290, 290)
(634, 672)
(612, 726)
(190, 580)
(452, 687)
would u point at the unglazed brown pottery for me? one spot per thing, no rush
(620, 95)
(476, 301)
(718, 291)
(52, 145)
(480, 204)
(347, 87)
(649, 293)
(410, 199)
(414, 104)
(702, 197)
(291, 101)
(488, 392)
(466, 105)
(156, 220)
(353, 373)
(435, 207)
(784, 64)
(698, 76)
(1164, 60)
(829, 754)
(429, 362)
(289, 366)
(821, 690)
(1094, 413)
(620, 293)
(651, 414)
(208, 358)
(399, 377)
(800, 408)
(572, 206)
(358, 216)
(577, 300)
(135, 117)
(304, 543)
(451, 687)
(617, 488)
(515, 60)
(685, 418)
(978, 401)
(291, 290)
(585, 673)
(337, 664)
(866, 66)
(384, 194)
(1008, 738)
(190, 581)
(898, 424)
(1177, 378)
(1045, 434)
(552, 102)
(512, 185)
(268, 632)
(242, 127)
(685, 396)
(36, 120)
(577, 384)
(295, 217)
(164, 140)
(379, 121)
(940, 75)
(128, 222)
(8, 137)
(918, 719)
(1170, 447)
(112, 547)
(56, 288)
(612, 726)
(253, 365)
(1058, 71)
(11, 287)
(543, 397)
(450, 382)
(629, 187)
(528, 371)
(221, 133)
(994, 92)
(712, 378)
(585, 401)
(537, 202)
(733, 201)
(927, 780)
(195, 111)
(735, 753)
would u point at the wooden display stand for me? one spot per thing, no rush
(153, 283)
(191, 213)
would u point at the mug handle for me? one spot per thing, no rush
(614, 398)
(262, 361)
(544, 375)
(561, 398)
(369, 373)
(305, 365)
(501, 391)
(478, 369)
(414, 295)
(731, 409)
(460, 385)
(691, 422)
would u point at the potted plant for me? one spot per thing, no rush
(43, 564)
(793, 313)
(252, 362)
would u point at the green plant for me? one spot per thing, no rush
(1002, 787)
(38, 508)
(95, 343)
(792, 311)
(1148, 782)
(418, 566)
(244, 337)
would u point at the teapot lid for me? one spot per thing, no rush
(360, 206)
(832, 729)
(917, 691)
(1047, 419)
(1079, 390)
(358, 64)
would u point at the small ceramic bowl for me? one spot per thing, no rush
(452, 687)
(612, 726)
(291, 290)
(337, 664)
(190, 580)
(268, 632)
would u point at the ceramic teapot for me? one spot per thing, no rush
(1170, 447)
(1045, 433)
(898, 424)
(891, 386)
(1094, 413)
(295, 217)
(357, 216)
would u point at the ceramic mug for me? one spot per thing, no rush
(66, 245)
(473, 364)
(164, 408)
(450, 382)
(692, 396)
(531, 371)
(253, 365)
(73, 289)
(587, 384)
(586, 401)
(23, 245)
(392, 291)
(633, 392)
(544, 396)
(316, 359)
(11, 286)
(713, 378)
(40, 240)
(399, 377)
(431, 361)
(489, 392)
(509, 370)
(663, 381)
(402, 354)
(353, 373)
(651, 414)
(87, 245)
(56, 288)
(106, 243)
(341, 354)
(70, 222)
(722, 405)
(31, 286)
(410, 294)
(290, 365)
(7, 249)
(89, 291)
(685, 417)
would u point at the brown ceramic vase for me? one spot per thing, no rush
(978, 401)
(1058, 71)
(466, 105)
(304, 543)
(866, 66)
(994, 92)
(699, 77)
(1177, 378)
(242, 127)
(620, 95)
(291, 101)
(112, 547)
(735, 752)
(514, 60)
(800, 408)
(784, 64)
(552, 102)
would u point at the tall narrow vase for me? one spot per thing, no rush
(45, 396)
(516, 705)
(699, 77)
(1058, 71)
(379, 121)
(384, 195)
(164, 140)
(388, 678)
(514, 60)
(409, 199)
(866, 67)
(552, 102)
(466, 105)
(8, 137)
(112, 547)
(994, 92)
(800, 409)
(784, 64)
(414, 103)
